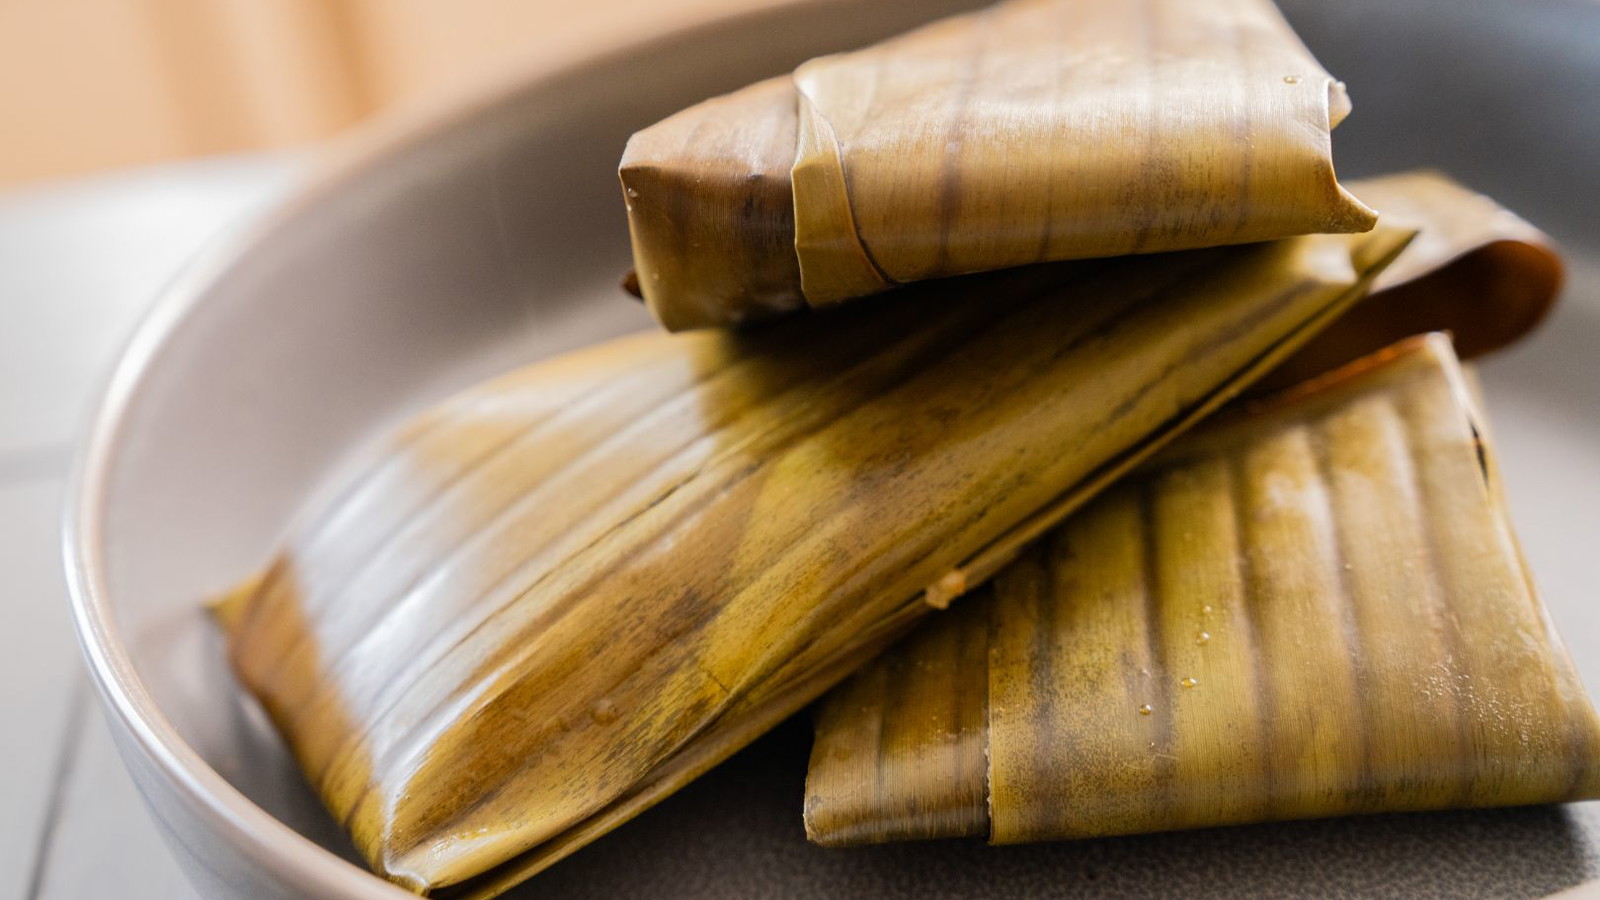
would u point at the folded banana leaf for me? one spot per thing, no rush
(1313, 608)
(1476, 270)
(555, 599)
(1034, 130)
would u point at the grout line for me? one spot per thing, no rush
(67, 764)
(36, 463)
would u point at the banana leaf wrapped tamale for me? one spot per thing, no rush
(1315, 607)
(556, 598)
(1030, 131)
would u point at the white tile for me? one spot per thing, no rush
(39, 671)
(104, 843)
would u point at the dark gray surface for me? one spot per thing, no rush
(737, 833)
(1503, 94)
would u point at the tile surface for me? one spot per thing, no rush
(39, 672)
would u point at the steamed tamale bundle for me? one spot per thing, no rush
(1313, 608)
(551, 601)
(1033, 130)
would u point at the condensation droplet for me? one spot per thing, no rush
(1291, 79)
(1146, 710)
(633, 192)
(1202, 637)
(1206, 609)
(1190, 681)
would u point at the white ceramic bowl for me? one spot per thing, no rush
(431, 254)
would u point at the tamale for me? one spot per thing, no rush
(1030, 131)
(1313, 607)
(558, 597)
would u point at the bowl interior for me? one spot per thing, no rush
(497, 238)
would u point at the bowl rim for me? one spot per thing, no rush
(227, 813)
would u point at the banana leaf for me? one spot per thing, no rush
(1312, 607)
(1475, 269)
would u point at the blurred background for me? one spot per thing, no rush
(97, 84)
